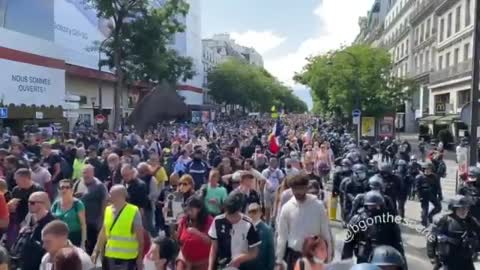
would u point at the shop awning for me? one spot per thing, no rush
(430, 118)
(447, 119)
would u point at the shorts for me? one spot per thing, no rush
(268, 198)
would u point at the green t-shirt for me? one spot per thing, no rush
(70, 216)
(217, 193)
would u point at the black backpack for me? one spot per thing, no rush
(25, 244)
(66, 168)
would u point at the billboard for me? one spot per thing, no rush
(77, 28)
(368, 127)
(31, 84)
(33, 18)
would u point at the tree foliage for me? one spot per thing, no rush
(335, 79)
(236, 83)
(137, 48)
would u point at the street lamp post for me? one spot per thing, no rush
(475, 91)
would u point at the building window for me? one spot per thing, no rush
(456, 54)
(406, 48)
(463, 97)
(422, 32)
(416, 62)
(416, 36)
(440, 62)
(403, 50)
(466, 51)
(442, 29)
(449, 25)
(457, 18)
(427, 60)
(447, 60)
(428, 30)
(421, 62)
(468, 18)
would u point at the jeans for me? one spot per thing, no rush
(148, 222)
(117, 264)
(92, 234)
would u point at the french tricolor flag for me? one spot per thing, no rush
(273, 143)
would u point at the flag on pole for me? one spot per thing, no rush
(273, 143)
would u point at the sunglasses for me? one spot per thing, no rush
(34, 202)
(64, 187)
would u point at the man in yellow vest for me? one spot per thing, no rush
(121, 237)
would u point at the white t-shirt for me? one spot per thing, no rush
(233, 239)
(87, 263)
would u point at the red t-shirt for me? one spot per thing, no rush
(3, 208)
(194, 249)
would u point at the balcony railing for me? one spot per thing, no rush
(420, 9)
(453, 72)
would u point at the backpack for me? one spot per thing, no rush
(25, 240)
(65, 168)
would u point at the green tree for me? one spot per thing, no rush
(137, 48)
(337, 78)
(234, 82)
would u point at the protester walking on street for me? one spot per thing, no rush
(292, 228)
(71, 210)
(93, 195)
(214, 194)
(121, 237)
(55, 237)
(265, 259)
(27, 252)
(193, 236)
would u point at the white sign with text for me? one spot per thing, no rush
(27, 84)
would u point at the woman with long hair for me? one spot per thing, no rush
(186, 186)
(71, 210)
(193, 237)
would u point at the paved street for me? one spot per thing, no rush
(414, 245)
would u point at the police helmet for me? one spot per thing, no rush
(365, 266)
(473, 173)
(373, 163)
(374, 198)
(413, 158)
(387, 256)
(401, 162)
(427, 165)
(376, 183)
(459, 201)
(386, 168)
(359, 168)
(346, 162)
(354, 157)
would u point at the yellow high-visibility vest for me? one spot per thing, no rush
(121, 240)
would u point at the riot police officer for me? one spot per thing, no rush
(429, 191)
(388, 257)
(372, 168)
(370, 228)
(392, 183)
(352, 187)
(471, 189)
(413, 170)
(454, 237)
(401, 173)
(375, 183)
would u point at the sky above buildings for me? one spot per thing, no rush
(285, 32)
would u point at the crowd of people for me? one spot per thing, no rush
(247, 194)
